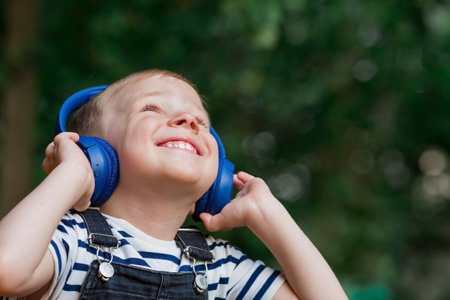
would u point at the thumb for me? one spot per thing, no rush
(214, 223)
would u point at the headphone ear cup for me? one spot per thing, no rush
(104, 164)
(200, 205)
(219, 194)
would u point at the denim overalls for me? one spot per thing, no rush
(109, 280)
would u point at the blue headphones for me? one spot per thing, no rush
(105, 164)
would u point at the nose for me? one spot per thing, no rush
(186, 120)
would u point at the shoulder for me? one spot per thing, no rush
(70, 230)
(71, 227)
(69, 235)
(227, 257)
(222, 248)
(71, 220)
(239, 276)
(68, 243)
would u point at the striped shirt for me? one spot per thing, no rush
(231, 275)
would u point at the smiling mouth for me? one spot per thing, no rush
(181, 146)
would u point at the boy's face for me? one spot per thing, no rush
(160, 131)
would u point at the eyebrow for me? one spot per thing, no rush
(140, 98)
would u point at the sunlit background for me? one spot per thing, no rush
(341, 106)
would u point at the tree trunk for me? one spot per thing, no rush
(19, 96)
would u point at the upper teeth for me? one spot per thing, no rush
(181, 145)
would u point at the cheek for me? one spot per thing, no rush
(132, 148)
(214, 166)
(137, 133)
(214, 169)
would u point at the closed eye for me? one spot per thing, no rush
(202, 122)
(151, 107)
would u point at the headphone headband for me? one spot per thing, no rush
(73, 103)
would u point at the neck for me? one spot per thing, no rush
(156, 215)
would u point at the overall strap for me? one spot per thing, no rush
(99, 232)
(192, 241)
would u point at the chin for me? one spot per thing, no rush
(188, 170)
(196, 178)
(186, 177)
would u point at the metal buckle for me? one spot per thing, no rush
(187, 251)
(105, 269)
(200, 280)
(189, 229)
(90, 238)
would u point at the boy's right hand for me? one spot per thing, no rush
(33, 220)
(63, 152)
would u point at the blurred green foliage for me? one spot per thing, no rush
(341, 106)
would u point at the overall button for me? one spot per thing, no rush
(105, 271)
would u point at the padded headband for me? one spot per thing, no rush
(72, 104)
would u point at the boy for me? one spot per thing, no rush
(168, 158)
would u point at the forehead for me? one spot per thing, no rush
(167, 89)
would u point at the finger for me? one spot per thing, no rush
(244, 176)
(239, 184)
(81, 206)
(241, 179)
(65, 143)
(66, 135)
(47, 166)
(50, 150)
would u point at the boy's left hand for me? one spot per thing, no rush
(249, 202)
(308, 274)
